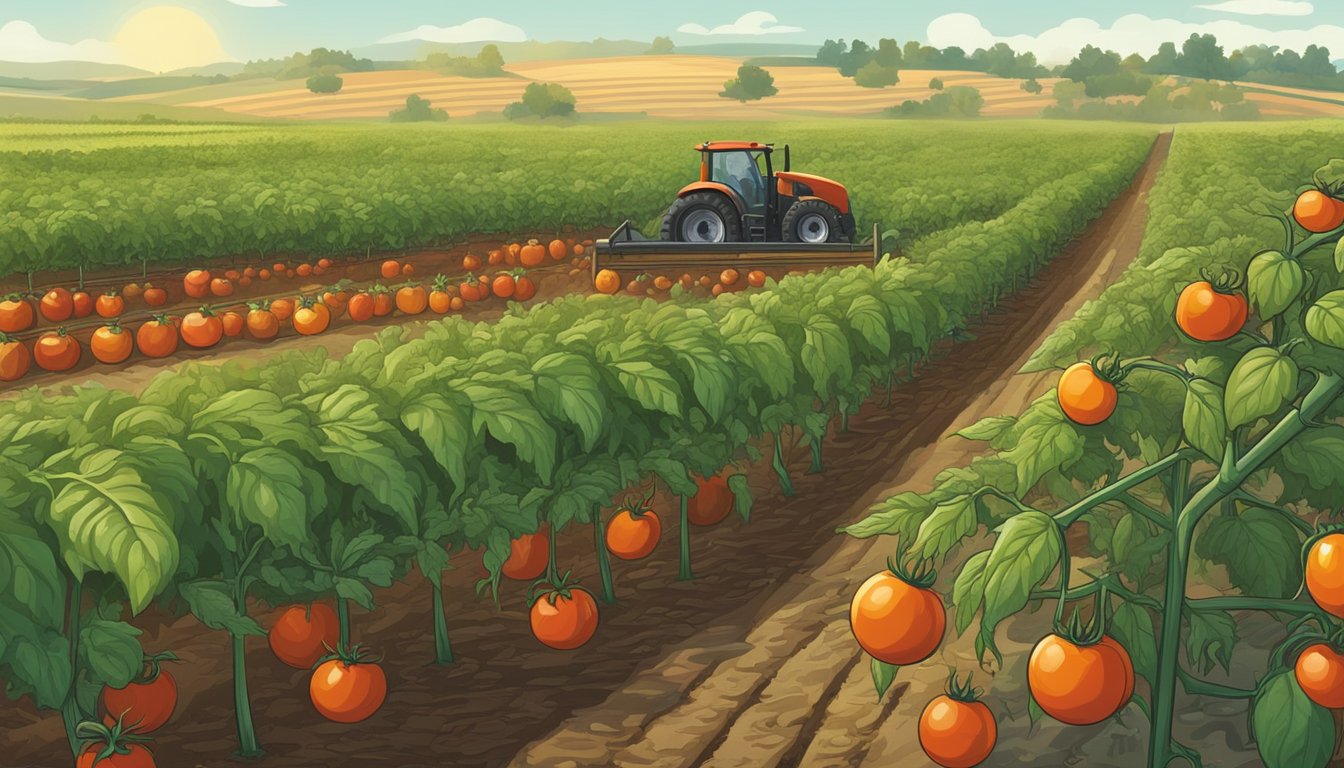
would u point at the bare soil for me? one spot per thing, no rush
(749, 664)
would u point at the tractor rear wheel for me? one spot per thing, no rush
(702, 217)
(812, 221)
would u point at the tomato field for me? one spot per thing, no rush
(539, 482)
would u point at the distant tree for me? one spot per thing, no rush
(1164, 61)
(751, 84)
(852, 61)
(662, 46)
(1119, 84)
(418, 110)
(953, 57)
(1090, 62)
(936, 84)
(325, 83)
(548, 100)
(516, 111)
(1031, 86)
(874, 75)
(957, 101)
(491, 60)
(1134, 62)
(1202, 57)
(830, 52)
(888, 53)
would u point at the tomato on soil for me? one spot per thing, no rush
(1206, 314)
(524, 289)
(283, 308)
(390, 269)
(57, 305)
(14, 359)
(221, 287)
(1084, 396)
(756, 278)
(142, 706)
(136, 757)
(1080, 684)
(82, 303)
(564, 622)
(304, 270)
(503, 286)
(632, 536)
(558, 250)
(1325, 573)
(111, 344)
(155, 297)
(132, 290)
(412, 299)
(528, 556)
(311, 318)
(110, 304)
(607, 281)
(347, 690)
(360, 307)
(532, 254)
(233, 324)
(712, 502)
(16, 314)
(471, 263)
(202, 328)
(382, 302)
(197, 283)
(262, 323)
(957, 734)
(301, 635)
(56, 351)
(157, 337)
(896, 621)
(440, 301)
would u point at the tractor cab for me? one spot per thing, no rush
(740, 198)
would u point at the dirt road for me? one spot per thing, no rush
(750, 664)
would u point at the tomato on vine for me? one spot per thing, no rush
(301, 635)
(1212, 309)
(148, 701)
(1320, 673)
(348, 686)
(1078, 680)
(1086, 391)
(633, 532)
(528, 557)
(1325, 573)
(1317, 210)
(563, 617)
(956, 729)
(114, 746)
(896, 616)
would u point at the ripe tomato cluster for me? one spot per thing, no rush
(1320, 666)
(347, 685)
(608, 281)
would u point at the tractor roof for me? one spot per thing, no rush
(725, 146)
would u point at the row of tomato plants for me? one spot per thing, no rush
(328, 190)
(1232, 458)
(303, 478)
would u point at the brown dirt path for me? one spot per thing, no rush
(746, 665)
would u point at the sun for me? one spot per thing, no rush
(165, 37)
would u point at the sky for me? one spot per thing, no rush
(167, 34)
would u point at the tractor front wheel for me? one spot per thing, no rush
(702, 217)
(812, 221)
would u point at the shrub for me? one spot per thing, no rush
(874, 75)
(957, 101)
(936, 84)
(418, 110)
(325, 83)
(1032, 86)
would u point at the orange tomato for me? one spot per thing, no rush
(283, 309)
(756, 278)
(1320, 673)
(532, 254)
(157, 337)
(1205, 314)
(233, 324)
(110, 304)
(360, 307)
(564, 622)
(896, 621)
(390, 269)
(407, 270)
(221, 286)
(712, 502)
(197, 283)
(524, 289)
(382, 302)
(957, 734)
(457, 304)
(145, 703)
(503, 286)
(1085, 397)
(1318, 212)
(304, 270)
(440, 301)
(412, 299)
(16, 314)
(57, 305)
(528, 557)
(111, 344)
(14, 358)
(728, 277)
(155, 297)
(311, 317)
(132, 290)
(347, 690)
(202, 328)
(558, 250)
(324, 263)
(301, 634)
(607, 281)
(82, 303)
(1080, 684)
(264, 274)
(471, 263)
(633, 535)
(56, 351)
(262, 323)
(1325, 573)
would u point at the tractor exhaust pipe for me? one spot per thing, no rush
(786, 157)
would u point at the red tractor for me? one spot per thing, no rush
(740, 198)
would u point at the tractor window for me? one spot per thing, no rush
(739, 171)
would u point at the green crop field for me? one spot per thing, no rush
(109, 195)
(303, 477)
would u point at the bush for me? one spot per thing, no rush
(751, 84)
(418, 111)
(325, 83)
(1032, 86)
(488, 63)
(957, 101)
(1124, 83)
(661, 46)
(936, 84)
(874, 75)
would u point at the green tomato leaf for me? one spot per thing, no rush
(742, 500)
(275, 490)
(1290, 730)
(1210, 639)
(987, 428)
(211, 603)
(1026, 553)
(968, 591)
(653, 388)
(884, 675)
(950, 522)
(1260, 383)
(1132, 625)
(898, 515)
(1260, 549)
(1325, 319)
(568, 386)
(1274, 282)
(1203, 420)
(112, 649)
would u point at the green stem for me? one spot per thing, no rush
(70, 713)
(685, 572)
(1069, 515)
(785, 483)
(1064, 572)
(603, 557)
(1196, 687)
(1248, 603)
(552, 569)
(1144, 510)
(242, 704)
(443, 647)
(816, 457)
(343, 619)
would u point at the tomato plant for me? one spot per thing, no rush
(1218, 459)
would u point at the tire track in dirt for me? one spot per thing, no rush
(671, 659)
(767, 730)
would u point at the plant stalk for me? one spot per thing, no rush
(685, 573)
(603, 558)
(343, 619)
(443, 647)
(781, 469)
(242, 704)
(70, 714)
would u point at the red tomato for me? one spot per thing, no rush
(136, 757)
(146, 703)
(528, 556)
(566, 623)
(347, 690)
(301, 636)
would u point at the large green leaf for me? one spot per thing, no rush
(1273, 282)
(950, 522)
(568, 386)
(1261, 382)
(1045, 440)
(652, 387)
(867, 317)
(511, 418)
(108, 521)
(1025, 554)
(968, 591)
(898, 515)
(1325, 319)
(112, 650)
(211, 603)
(273, 489)
(29, 575)
(1311, 467)
(1203, 420)
(826, 356)
(446, 430)
(1210, 639)
(1290, 730)
(1132, 625)
(1259, 548)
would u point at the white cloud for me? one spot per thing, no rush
(20, 41)
(474, 31)
(258, 3)
(1133, 33)
(1262, 7)
(753, 23)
